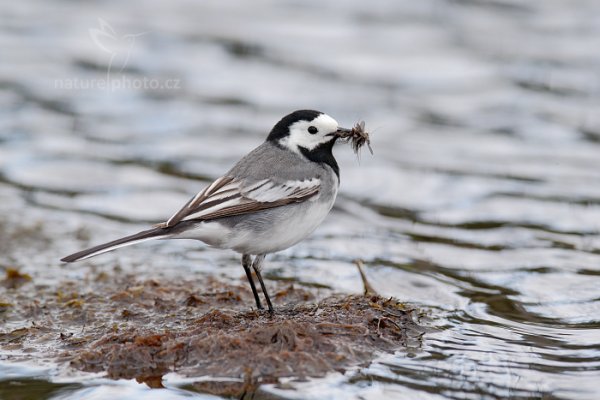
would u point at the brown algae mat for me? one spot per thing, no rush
(143, 329)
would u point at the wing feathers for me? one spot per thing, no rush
(197, 200)
(227, 197)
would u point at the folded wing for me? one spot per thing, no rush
(228, 197)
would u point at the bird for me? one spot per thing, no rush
(272, 198)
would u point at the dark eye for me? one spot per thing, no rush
(312, 130)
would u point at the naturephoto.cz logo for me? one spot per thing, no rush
(118, 50)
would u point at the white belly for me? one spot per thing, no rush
(264, 232)
(283, 233)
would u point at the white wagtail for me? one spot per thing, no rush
(270, 200)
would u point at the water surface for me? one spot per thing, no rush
(481, 205)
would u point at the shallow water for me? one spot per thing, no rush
(481, 204)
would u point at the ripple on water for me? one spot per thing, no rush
(480, 205)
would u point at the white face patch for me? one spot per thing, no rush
(301, 136)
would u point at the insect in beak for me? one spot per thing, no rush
(357, 135)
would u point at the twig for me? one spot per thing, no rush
(368, 288)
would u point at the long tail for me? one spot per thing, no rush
(154, 233)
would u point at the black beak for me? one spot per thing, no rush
(341, 133)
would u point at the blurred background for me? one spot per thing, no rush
(481, 204)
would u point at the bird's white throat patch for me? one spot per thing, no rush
(300, 133)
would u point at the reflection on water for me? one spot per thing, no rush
(481, 204)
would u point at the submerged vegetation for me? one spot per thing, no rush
(143, 329)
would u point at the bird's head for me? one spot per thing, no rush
(306, 131)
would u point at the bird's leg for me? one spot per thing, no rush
(246, 263)
(256, 266)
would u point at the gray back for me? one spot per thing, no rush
(269, 161)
